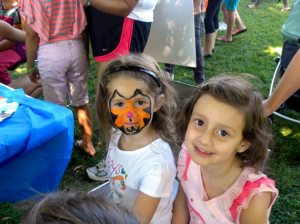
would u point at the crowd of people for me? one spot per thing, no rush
(221, 132)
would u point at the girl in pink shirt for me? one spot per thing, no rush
(222, 157)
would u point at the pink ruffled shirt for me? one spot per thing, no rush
(227, 207)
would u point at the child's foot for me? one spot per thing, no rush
(87, 148)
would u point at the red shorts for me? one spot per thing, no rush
(112, 36)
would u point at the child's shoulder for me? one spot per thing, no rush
(250, 185)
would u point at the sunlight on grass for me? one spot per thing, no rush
(285, 131)
(273, 50)
(20, 70)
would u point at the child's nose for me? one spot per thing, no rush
(206, 137)
(130, 114)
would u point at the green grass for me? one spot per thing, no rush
(253, 52)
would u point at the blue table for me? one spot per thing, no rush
(35, 147)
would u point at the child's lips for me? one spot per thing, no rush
(203, 151)
(130, 123)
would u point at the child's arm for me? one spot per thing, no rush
(180, 208)
(10, 34)
(32, 42)
(257, 211)
(289, 83)
(145, 207)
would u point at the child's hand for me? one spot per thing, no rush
(34, 75)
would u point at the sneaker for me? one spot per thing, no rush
(285, 8)
(98, 172)
(222, 26)
(252, 6)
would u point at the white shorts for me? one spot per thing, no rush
(63, 68)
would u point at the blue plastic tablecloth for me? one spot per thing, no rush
(35, 147)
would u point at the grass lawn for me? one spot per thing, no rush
(252, 52)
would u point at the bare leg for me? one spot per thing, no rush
(85, 122)
(223, 8)
(208, 43)
(230, 24)
(238, 22)
(214, 39)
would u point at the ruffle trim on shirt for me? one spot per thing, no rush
(184, 160)
(250, 189)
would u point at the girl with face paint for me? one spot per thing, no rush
(136, 108)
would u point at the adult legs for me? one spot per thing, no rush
(169, 69)
(255, 4)
(211, 26)
(230, 24)
(238, 22)
(232, 18)
(286, 6)
(199, 74)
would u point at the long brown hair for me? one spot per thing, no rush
(239, 93)
(164, 119)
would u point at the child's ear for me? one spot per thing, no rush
(159, 102)
(243, 146)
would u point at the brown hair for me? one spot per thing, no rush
(239, 93)
(164, 119)
(77, 208)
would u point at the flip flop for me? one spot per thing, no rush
(238, 31)
(223, 39)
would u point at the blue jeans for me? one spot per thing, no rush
(199, 74)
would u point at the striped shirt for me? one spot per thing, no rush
(54, 20)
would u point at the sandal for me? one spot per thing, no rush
(238, 32)
(224, 39)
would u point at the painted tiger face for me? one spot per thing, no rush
(131, 114)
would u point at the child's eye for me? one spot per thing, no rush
(118, 104)
(223, 133)
(140, 103)
(200, 122)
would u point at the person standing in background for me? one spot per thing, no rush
(199, 72)
(54, 36)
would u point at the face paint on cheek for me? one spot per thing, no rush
(129, 117)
